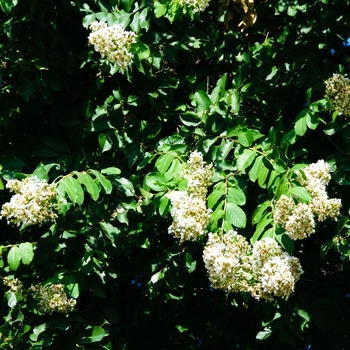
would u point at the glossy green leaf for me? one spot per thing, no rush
(72, 286)
(245, 159)
(104, 142)
(73, 189)
(301, 193)
(300, 126)
(90, 185)
(111, 171)
(27, 253)
(245, 138)
(235, 215)
(236, 195)
(164, 162)
(259, 212)
(257, 169)
(155, 181)
(105, 183)
(202, 100)
(14, 258)
(97, 334)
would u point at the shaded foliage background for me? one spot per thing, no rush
(135, 286)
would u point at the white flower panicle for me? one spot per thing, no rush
(264, 270)
(113, 42)
(190, 217)
(276, 272)
(301, 222)
(198, 175)
(189, 210)
(338, 93)
(284, 208)
(194, 5)
(52, 298)
(299, 219)
(34, 202)
(14, 285)
(226, 259)
(316, 177)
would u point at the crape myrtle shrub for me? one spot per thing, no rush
(95, 160)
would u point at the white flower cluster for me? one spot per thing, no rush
(226, 258)
(299, 219)
(52, 298)
(112, 42)
(198, 175)
(264, 270)
(276, 271)
(194, 5)
(189, 210)
(14, 285)
(34, 202)
(190, 217)
(338, 93)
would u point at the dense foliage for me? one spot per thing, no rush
(97, 140)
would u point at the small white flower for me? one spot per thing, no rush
(113, 42)
(338, 93)
(34, 202)
(52, 298)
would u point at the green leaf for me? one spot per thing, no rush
(159, 9)
(236, 195)
(245, 159)
(72, 286)
(27, 252)
(7, 5)
(105, 183)
(155, 181)
(245, 138)
(235, 215)
(217, 193)
(72, 188)
(164, 206)
(104, 142)
(264, 334)
(301, 193)
(264, 172)
(190, 119)
(90, 185)
(190, 263)
(260, 227)
(11, 299)
(37, 331)
(97, 334)
(111, 171)
(300, 126)
(42, 170)
(269, 233)
(202, 100)
(257, 169)
(279, 166)
(285, 241)
(164, 162)
(14, 258)
(233, 100)
(174, 170)
(259, 212)
(218, 90)
(217, 215)
(126, 186)
(303, 314)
